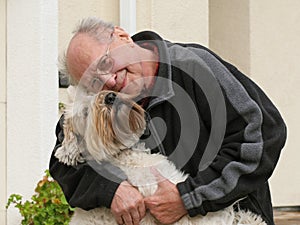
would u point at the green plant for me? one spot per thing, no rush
(61, 106)
(47, 206)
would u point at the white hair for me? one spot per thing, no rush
(94, 27)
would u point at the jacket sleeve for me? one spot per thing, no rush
(255, 134)
(83, 185)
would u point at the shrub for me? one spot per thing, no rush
(47, 206)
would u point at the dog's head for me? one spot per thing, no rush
(114, 122)
(103, 124)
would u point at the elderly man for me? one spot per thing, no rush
(212, 121)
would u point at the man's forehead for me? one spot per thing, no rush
(82, 42)
(82, 51)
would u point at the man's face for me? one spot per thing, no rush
(126, 74)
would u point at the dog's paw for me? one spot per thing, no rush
(70, 158)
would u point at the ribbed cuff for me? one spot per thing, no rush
(188, 201)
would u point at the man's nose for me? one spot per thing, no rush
(109, 81)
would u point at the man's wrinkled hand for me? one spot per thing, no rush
(166, 204)
(128, 205)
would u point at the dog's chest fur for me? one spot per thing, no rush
(137, 165)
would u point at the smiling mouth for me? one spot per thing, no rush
(121, 79)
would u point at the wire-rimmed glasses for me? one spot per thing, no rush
(105, 63)
(104, 66)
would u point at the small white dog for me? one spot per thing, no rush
(108, 125)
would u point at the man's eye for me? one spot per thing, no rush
(105, 65)
(96, 83)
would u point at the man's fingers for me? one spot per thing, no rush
(131, 218)
(142, 210)
(128, 205)
(135, 216)
(150, 202)
(127, 219)
(119, 219)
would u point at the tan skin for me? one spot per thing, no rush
(137, 66)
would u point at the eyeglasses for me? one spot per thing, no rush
(103, 67)
(105, 63)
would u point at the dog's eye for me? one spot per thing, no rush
(85, 111)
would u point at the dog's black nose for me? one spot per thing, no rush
(110, 98)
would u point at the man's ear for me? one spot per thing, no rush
(122, 34)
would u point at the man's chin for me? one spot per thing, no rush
(131, 92)
(134, 88)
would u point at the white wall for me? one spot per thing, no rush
(128, 15)
(2, 111)
(71, 11)
(32, 94)
(229, 31)
(275, 56)
(175, 20)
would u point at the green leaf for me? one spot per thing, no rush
(48, 206)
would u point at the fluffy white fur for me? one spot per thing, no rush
(115, 138)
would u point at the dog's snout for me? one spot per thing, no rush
(110, 98)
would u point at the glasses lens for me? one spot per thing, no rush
(105, 65)
(96, 84)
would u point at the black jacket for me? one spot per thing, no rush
(212, 121)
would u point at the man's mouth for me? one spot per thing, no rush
(121, 79)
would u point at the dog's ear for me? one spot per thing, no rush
(94, 137)
(69, 153)
(71, 90)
